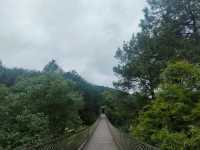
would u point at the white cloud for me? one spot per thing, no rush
(82, 35)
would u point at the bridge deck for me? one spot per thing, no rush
(102, 138)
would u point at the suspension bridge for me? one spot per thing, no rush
(102, 135)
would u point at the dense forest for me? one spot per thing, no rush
(162, 63)
(37, 106)
(156, 98)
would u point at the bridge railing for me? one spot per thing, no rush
(126, 142)
(74, 142)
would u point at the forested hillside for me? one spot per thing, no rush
(156, 98)
(37, 106)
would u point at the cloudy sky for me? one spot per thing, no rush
(80, 34)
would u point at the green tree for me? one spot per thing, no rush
(53, 96)
(122, 107)
(36, 109)
(170, 31)
(37, 106)
(52, 67)
(170, 121)
(92, 97)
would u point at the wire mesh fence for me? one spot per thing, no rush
(73, 142)
(126, 142)
(80, 139)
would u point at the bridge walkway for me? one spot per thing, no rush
(101, 138)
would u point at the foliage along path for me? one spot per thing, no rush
(102, 138)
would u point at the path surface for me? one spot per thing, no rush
(102, 138)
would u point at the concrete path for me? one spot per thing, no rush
(102, 138)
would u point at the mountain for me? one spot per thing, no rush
(92, 94)
(10, 76)
(53, 67)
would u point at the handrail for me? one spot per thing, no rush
(90, 134)
(79, 140)
(73, 142)
(125, 141)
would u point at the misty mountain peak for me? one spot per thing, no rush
(52, 67)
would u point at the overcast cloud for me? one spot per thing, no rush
(80, 34)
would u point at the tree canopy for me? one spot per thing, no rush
(36, 107)
(170, 31)
(171, 121)
(161, 63)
